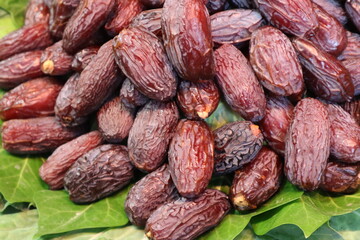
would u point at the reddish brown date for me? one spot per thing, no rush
(148, 194)
(345, 135)
(125, 11)
(293, 17)
(54, 169)
(352, 49)
(83, 58)
(307, 144)
(277, 119)
(234, 26)
(87, 19)
(198, 100)
(353, 9)
(115, 120)
(131, 97)
(27, 38)
(334, 8)
(187, 38)
(36, 11)
(150, 20)
(192, 218)
(257, 181)
(238, 83)
(36, 135)
(325, 75)
(284, 76)
(99, 173)
(153, 3)
(236, 144)
(96, 83)
(191, 157)
(352, 65)
(142, 58)
(151, 133)
(353, 108)
(55, 61)
(34, 98)
(20, 68)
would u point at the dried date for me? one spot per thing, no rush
(131, 97)
(352, 49)
(352, 65)
(353, 108)
(215, 6)
(150, 20)
(153, 3)
(83, 58)
(353, 9)
(334, 8)
(36, 11)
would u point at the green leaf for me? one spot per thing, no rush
(21, 225)
(16, 9)
(347, 225)
(58, 214)
(7, 25)
(222, 115)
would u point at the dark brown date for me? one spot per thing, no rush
(284, 76)
(334, 8)
(352, 49)
(150, 20)
(115, 120)
(234, 26)
(277, 119)
(307, 144)
(242, 3)
(192, 218)
(142, 58)
(353, 108)
(215, 6)
(125, 11)
(131, 97)
(54, 169)
(27, 38)
(36, 135)
(99, 173)
(34, 98)
(198, 100)
(148, 194)
(191, 157)
(237, 81)
(151, 133)
(236, 144)
(20, 68)
(36, 11)
(325, 75)
(55, 61)
(87, 19)
(352, 65)
(153, 3)
(95, 84)
(257, 181)
(353, 9)
(293, 17)
(345, 135)
(187, 38)
(83, 58)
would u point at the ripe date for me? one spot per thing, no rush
(83, 58)
(36, 11)
(307, 144)
(55, 61)
(131, 97)
(150, 20)
(352, 49)
(352, 65)
(238, 83)
(334, 8)
(353, 9)
(54, 169)
(353, 108)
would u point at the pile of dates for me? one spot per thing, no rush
(114, 87)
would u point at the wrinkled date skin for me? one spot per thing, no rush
(148, 194)
(277, 119)
(191, 157)
(153, 3)
(55, 61)
(284, 76)
(345, 135)
(115, 120)
(325, 75)
(353, 108)
(99, 173)
(334, 8)
(150, 20)
(88, 17)
(83, 58)
(236, 144)
(353, 9)
(151, 133)
(34, 98)
(352, 49)
(131, 97)
(257, 181)
(293, 17)
(95, 84)
(20, 68)
(27, 38)
(234, 26)
(192, 218)
(307, 144)
(198, 100)
(187, 38)
(352, 65)
(36, 135)
(142, 58)
(54, 169)
(36, 11)
(341, 178)
(237, 81)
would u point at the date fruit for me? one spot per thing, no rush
(151, 133)
(352, 65)
(307, 144)
(36, 11)
(99, 173)
(242, 3)
(54, 169)
(148, 194)
(83, 58)
(215, 6)
(352, 49)
(131, 97)
(187, 38)
(191, 157)
(257, 181)
(353, 9)
(353, 108)
(153, 3)
(237, 81)
(334, 8)
(150, 20)
(192, 218)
